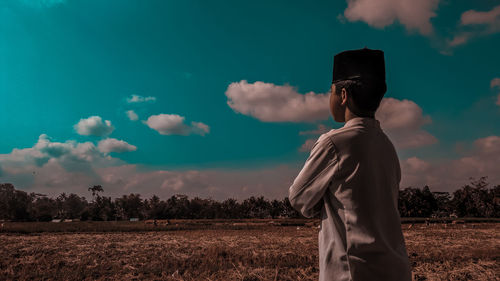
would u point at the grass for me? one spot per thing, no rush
(141, 226)
(257, 251)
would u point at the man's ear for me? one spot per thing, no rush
(343, 97)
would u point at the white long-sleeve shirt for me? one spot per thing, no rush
(351, 178)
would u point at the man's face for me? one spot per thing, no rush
(337, 108)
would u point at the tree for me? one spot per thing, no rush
(178, 207)
(276, 209)
(200, 209)
(14, 204)
(155, 208)
(288, 210)
(444, 208)
(495, 198)
(44, 208)
(130, 206)
(414, 202)
(74, 205)
(95, 190)
(256, 207)
(230, 208)
(474, 199)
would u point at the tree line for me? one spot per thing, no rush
(475, 199)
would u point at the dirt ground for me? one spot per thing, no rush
(454, 252)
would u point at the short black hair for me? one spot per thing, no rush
(366, 94)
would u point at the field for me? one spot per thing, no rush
(242, 250)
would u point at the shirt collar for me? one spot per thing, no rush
(365, 121)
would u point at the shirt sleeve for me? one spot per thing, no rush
(308, 188)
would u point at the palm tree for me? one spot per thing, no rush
(95, 190)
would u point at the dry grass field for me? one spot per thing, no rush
(242, 252)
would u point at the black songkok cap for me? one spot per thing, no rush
(362, 64)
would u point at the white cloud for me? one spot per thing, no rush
(168, 124)
(77, 166)
(414, 15)
(416, 164)
(132, 115)
(495, 84)
(272, 103)
(81, 165)
(321, 129)
(459, 39)
(94, 126)
(71, 155)
(173, 124)
(489, 18)
(400, 114)
(139, 99)
(53, 149)
(271, 182)
(55, 167)
(199, 128)
(475, 24)
(307, 145)
(449, 174)
(109, 145)
(403, 120)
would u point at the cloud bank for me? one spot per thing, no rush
(448, 174)
(54, 167)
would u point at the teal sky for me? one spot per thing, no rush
(62, 61)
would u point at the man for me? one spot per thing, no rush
(351, 179)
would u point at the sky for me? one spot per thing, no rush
(222, 99)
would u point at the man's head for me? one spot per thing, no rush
(361, 98)
(358, 83)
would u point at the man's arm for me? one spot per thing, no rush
(310, 185)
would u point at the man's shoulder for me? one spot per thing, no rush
(323, 142)
(347, 138)
(340, 135)
(350, 137)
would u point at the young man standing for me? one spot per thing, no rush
(351, 179)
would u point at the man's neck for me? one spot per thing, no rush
(350, 115)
